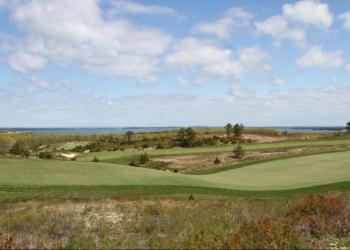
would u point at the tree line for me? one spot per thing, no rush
(234, 132)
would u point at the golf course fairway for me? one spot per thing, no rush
(283, 174)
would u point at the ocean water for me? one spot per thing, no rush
(90, 131)
(116, 130)
(309, 129)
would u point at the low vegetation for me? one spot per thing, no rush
(238, 152)
(317, 221)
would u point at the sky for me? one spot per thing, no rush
(117, 63)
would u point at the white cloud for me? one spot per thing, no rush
(277, 107)
(294, 21)
(309, 12)
(3, 3)
(279, 28)
(275, 80)
(25, 63)
(38, 85)
(237, 92)
(345, 17)
(348, 67)
(74, 32)
(192, 54)
(183, 82)
(317, 57)
(126, 6)
(222, 28)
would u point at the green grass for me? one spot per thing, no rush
(13, 193)
(114, 155)
(49, 178)
(284, 174)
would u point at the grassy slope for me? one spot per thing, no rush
(284, 174)
(45, 172)
(289, 173)
(108, 156)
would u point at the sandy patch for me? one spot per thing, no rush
(69, 156)
(263, 138)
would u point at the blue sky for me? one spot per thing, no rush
(88, 63)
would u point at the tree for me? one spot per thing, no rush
(237, 130)
(228, 130)
(191, 136)
(129, 135)
(186, 137)
(238, 152)
(348, 127)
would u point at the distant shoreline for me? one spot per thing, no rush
(122, 130)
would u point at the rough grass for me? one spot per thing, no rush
(303, 223)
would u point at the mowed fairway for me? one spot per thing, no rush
(293, 173)
(284, 174)
(106, 156)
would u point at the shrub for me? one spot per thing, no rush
(18, 149)
(217, 161)
(250, 141)
(238, 152)
(144, 158)
(5, 145)
(94, 147)
(133, 163)
(45, 155)
(210, 141)
(78, 149)
(26, 153)
(95, 159)
(266, 233)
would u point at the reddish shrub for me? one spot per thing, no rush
(265, 234)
